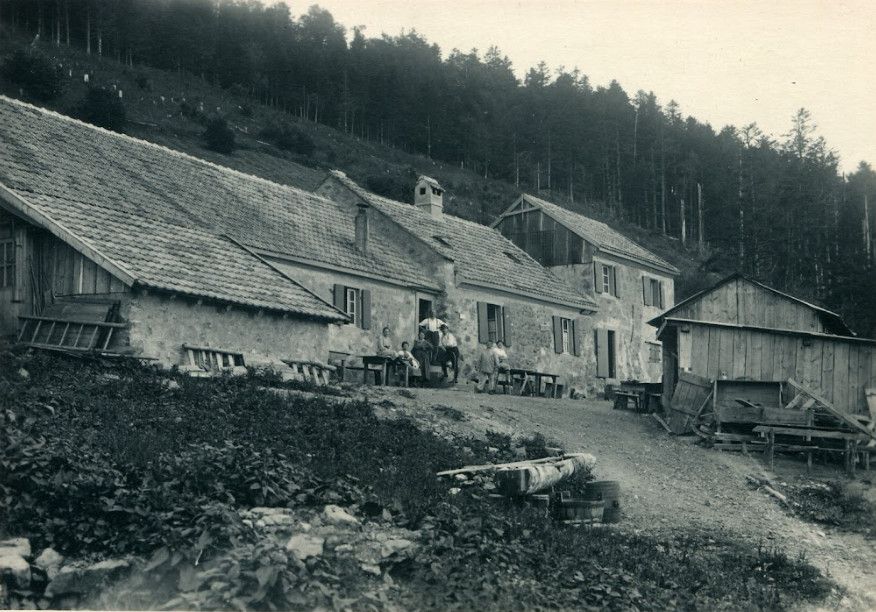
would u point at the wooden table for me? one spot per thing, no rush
(532, 379)
(383, 364)
(851, 441)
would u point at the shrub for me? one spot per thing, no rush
(35, 74)
(219, 137)
(104, 108)
(143, 82)
(289, 138)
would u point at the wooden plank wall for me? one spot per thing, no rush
(68, 272)
(838, 369)
(745, 303)
(542, 238)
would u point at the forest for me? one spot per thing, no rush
(778, 209)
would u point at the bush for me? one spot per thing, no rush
(35, 74)
(143, 82)
(289, 138)
(219, 137)
(103, 108)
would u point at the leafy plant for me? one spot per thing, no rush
(103, 108)
(219, 137)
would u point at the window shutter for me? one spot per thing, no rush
(576, 350)
(615, 289)
(483, 328)
(646, 290)
(602, 353)
(503, 332)
(20, 273)
(558, 335)
(660, 287)
(597, 277)
(365, 308)
(339, 298)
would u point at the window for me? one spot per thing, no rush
(605, 353)
(492, 323)
(354, 302)
(606, 279)
(654, 352)
(422, 191)
(652, 291)
(7, 262)
(565, 336)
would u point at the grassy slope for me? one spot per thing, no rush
(155, 114)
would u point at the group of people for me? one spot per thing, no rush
(435, 344)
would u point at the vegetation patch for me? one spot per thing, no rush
(833, 503)
(100, 464)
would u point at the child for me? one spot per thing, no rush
(484, 368)
(384, 344)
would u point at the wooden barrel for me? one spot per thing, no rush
(609, 492)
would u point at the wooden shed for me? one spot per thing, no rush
(740, 329)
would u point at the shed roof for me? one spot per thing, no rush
(595, 232)
(481, 255)
(58, 157)
(831, 320)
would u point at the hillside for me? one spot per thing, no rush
(172, 108)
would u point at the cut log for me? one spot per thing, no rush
(514, 464)
(529, 479)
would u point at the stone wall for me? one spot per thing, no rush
(159, 326)
(391, 306)
(530, 332)
(626, 314)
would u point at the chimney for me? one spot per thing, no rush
(361, 225)
(429, 196)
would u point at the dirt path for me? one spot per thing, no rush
(667, 482)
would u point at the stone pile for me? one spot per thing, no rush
(47, 581)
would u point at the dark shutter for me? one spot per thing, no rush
(503, 330)
(597, 277)
(615, 289)
(573, 325)
(339, 298)
(365, 308)
(483, 326)
(558, 335)
(660, 287)
(602, 353)
(646, 290)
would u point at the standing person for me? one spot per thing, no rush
(500, 362)
(423, 351)
(450, 348)
(432, 326)
(484, 368)
(384, 344)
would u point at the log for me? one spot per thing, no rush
(498, 466)
(526, 480)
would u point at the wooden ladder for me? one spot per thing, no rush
(52, 333)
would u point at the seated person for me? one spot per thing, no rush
(432, 326)
(449, 352)
(423, 351)
(405, 357)
(384, 344)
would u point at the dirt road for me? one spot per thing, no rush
(667, 482)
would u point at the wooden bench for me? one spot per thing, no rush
(622, 400)
(310, 371)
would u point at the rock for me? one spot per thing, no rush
(23, 374)
(14, 569)
(338, 516)
(82, 579)
(370, 568)
(304, 545)
(170, 385)
(460, 477)
(19, 546)
(492, 450)
(239, 371)
(395, 546)
(50, 562)
(455, 491)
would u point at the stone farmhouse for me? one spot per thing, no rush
(170, 257)
(629, 284)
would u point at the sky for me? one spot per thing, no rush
(725, 62)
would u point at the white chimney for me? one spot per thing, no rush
(429, 196)
(361, 225)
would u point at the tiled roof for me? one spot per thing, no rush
(482, 256)
(186, 260)
(600, 234)
(53, 155)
